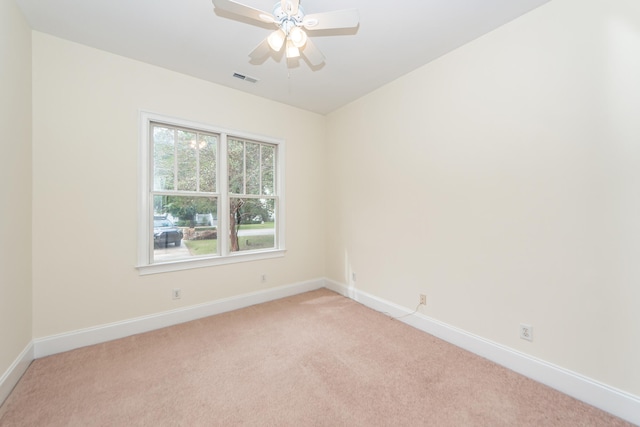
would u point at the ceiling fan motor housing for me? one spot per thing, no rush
(285, 20)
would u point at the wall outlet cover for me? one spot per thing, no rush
(526, 332)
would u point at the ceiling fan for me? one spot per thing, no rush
(291, 22)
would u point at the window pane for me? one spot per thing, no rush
(187, 161)
(163, 158)
(251, 224)
(253, 168)
(183, 174)
(236, 166)
(184, 227)
(268, 170)
(208, 148)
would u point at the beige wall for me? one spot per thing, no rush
(502, 180)
(85, 154)
(15, 187)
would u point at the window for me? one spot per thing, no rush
(207, 196)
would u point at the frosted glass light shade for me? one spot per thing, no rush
(298, 37)
(276, 40)
(292, 50)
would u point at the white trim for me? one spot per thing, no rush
(98, 334)
(143, 191)
(188, 264)
(223, 207)
(145, 204)
(280, 187)
(602, 396)
(12, 375)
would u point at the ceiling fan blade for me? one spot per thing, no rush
(243, 10)
(260, 51)
(347, 18)
(312, 53)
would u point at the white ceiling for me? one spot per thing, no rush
(189, 37)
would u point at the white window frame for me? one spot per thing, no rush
(145, 201)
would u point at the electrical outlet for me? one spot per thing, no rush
(176, 293)
(423, 299)
(353, 276)
(526, 332)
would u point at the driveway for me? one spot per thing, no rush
(170, 252)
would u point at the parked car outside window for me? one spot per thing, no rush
(164, 232)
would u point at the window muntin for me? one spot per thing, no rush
(183, 160)
(183, 182)
(251, 167)
(252, 217)
(218, 188)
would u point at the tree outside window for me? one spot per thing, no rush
(199, 211)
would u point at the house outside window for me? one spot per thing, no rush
(208, 196)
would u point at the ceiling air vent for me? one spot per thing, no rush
(245, 78)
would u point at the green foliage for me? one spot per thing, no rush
(251, 168)
(255, 211)
(185, 208)
(186, 161)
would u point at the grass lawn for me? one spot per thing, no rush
(255, 226)
(202, 247)
(247, 243)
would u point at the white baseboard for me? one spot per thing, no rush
(12, 375)
(602, 396)
(47, 346)
(617, 402)
(98, 334)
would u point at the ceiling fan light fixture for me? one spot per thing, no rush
(298, 37)
(276, 40)
(292, 50)
(290, 19)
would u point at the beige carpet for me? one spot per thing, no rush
(316, 359)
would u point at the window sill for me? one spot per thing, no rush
(189, 264)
